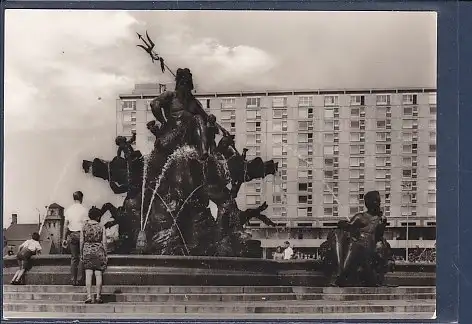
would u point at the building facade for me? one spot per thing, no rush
(332, 147)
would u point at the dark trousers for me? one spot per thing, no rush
(76, 266)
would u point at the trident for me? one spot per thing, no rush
(148, 47)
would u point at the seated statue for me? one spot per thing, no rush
(356, 251)
(183, 119)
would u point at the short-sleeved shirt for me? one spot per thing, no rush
(76, 215)
(31, 245)
(288, 253)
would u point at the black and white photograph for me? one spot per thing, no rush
(219, 164)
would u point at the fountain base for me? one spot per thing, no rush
(139, 270)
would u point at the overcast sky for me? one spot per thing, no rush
(64, 70)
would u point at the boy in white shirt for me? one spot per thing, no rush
(25, 252)
(288, 252)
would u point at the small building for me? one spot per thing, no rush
(17, 233)
(54, 224)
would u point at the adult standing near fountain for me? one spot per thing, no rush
(75, 217)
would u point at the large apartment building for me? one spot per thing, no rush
(332, 147)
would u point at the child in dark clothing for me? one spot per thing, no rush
(212, 130)
(25, 252)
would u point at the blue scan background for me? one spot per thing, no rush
(454, 165)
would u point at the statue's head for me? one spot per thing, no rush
(184, 79)
(372, 202)
(120, 140)
(211, 119)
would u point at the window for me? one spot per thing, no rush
(407, 136)
(278, 210)
(407, 185)
(431, 197)
(353, 199)
(355, 149)
(302, 212)
(252, 114)
(432, 98)
(277, 150)
(129, 105)
(432, 110)
(432, 185)
(431, 211)
(406, 173)
(303, 199)
(432, 124)
(408, 123)
(355, 112)
(383, 100)
(432, 136)
(253, 199)
(380, 174)
(305, 101)
(328, 211)
(406, 198)
(328, 125)
(329, 137)
(381, 112)
(409, 99)
(253, 102)
(329, 161)
(407, 111)
(381, 149)
(355, 137)
(228, 114)
(304, 149)
(302, 125)
(280, 125)
(354, 186)
(355, 162)
(303, 138)
(381, 124)
(328, 174)
(407, 210)
(357, 100)
(277, 199)
(228, 102)
(355, 124)
(432, 172)
(407, 161)
(354, 174)
(381, 161)
(279, 138)
(250, 127)
(279, 113)
(129, 117)
(303, 174)
(432, 161)
(407, 148)
(381, 136)
(331, 100)
(253, 139)
(380, 185)
(279, 102)
(303, 112)
(328, 113)
(328, 199)
(328, 150)
(303, 186)
(432, 148)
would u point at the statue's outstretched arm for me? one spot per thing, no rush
(132, 139)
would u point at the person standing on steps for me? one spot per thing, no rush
(93, 251)
(75, 217)
(288, 252)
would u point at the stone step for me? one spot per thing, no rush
(221, 289)
(208, 316)
(395, 306)
(172, 297)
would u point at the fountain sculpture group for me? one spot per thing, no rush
(166, 211)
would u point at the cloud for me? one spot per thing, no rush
(65, 69)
